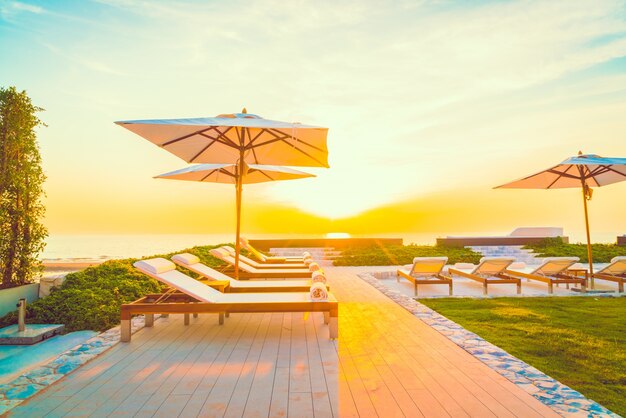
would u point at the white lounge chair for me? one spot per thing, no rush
(426, 270)
(490, 270)
(552, 271)
(192, 263)
(248, 272)
(614, 272)
(269, 258)
(198, 298)
(261, 266)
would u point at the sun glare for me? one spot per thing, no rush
(334, 235)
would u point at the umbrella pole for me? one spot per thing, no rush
(589, 255)
(239, 186)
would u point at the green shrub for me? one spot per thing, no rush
(555, 247)
(90, 299)
(394, 255)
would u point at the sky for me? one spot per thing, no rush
(429, 105)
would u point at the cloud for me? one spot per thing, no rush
(10, 9)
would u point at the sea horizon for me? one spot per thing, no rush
(95, 247)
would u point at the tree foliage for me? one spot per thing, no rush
(21, 188)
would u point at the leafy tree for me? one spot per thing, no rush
(21, 179)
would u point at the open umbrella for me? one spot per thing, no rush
(584, 171)
(229, 173)
(236, 138)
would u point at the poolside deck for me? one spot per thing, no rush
(385, 363)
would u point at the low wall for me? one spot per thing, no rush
(479, 241)
(621, 240)
(337, 243)
(10, 297)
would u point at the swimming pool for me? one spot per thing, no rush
(17, 359)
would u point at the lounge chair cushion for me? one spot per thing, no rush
(555, 265)
(155, 265)
(186, 258)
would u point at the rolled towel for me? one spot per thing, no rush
(318, 276)
(306, 254)
(314, 266)
(308, 262)
(318, 292)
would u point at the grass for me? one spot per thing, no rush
(90, 299)
(554, 247)
(393, 255)
(580, 341)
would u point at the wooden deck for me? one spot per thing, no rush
(386, 363)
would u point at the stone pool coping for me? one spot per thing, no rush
(561, 398)
(35, 380)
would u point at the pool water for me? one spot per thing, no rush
(17, 359)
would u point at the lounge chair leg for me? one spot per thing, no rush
(485, 290)
(583, 287)
(149, 320)
(333, 327)
(326, 317)
(166, 315)
(550, 288)
(450, 289)
(186, 319)
(125, 331)
(519, 287)
(221, 318)
(195, 315)
(415, 285)
(620, 287)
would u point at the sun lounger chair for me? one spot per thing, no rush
(248, 272)
(192, 263)
(269, 258)
(614, 272)
(552, 271)
(490, 270)
(196, 298)
(257, 265)
(426, 270)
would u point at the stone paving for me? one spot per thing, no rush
(561, 398)
(37, 379)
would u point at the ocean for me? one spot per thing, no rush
(103, 247)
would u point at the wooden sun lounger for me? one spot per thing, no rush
(490, 270)
(249, 272)
(614, 272)
(208, 274)
(198, 298)
(263, 266)
(262, 258)
(553, 270)
(426, 270)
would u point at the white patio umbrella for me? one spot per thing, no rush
(229, 173)
(584, 171)
(238, 138)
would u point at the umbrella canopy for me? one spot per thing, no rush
(227, 173)
(236, 138)
(595, 171)
(232, 137)
(584, 171)
(237, 174)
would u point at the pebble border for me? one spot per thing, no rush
(39, 378)
(561, 398)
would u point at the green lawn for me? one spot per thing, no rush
(580, 341)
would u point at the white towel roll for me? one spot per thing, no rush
(318, 276)
(318, 292)
(314, 267)
(308, 262)
(306, 254)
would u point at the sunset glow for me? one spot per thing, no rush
(429, 105)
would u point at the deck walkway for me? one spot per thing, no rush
(386, 363)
